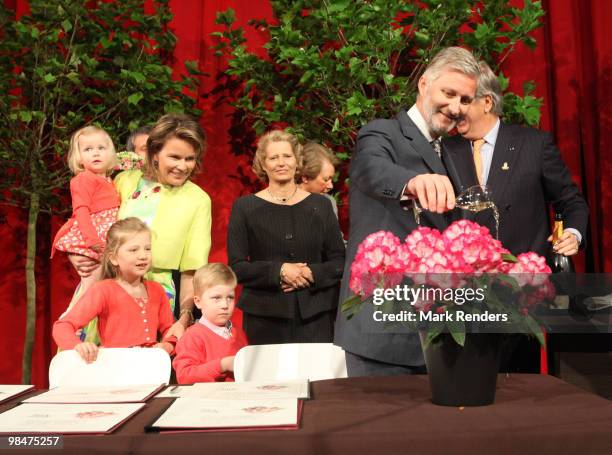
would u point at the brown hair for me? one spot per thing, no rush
(313, 156)
(262, 145)
(213, 274)
(74, 154)
(117, 235)
(179, 126)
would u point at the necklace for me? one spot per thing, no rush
(282, 199)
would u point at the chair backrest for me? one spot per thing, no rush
(114, 366)
(269, 362)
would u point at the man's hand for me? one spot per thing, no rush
(567, 245)
(83, 265)
(434, 192)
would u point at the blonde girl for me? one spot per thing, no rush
(131, 311)
(95, 202)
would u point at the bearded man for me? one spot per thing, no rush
(398, 160)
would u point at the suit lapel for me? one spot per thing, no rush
(459, 153)
(504, 163)
(419, 143)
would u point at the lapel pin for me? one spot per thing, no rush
(505, 166)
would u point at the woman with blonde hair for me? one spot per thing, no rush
(286, 248)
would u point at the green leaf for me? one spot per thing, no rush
(434, 330)
(536, 329)
(422, 39)
(25, 116)
(482, 31)
(507, 257)
(192, 67)
(134, 98)
(227, 17)
(338, 5)
(503, 81)
(336, 126)
(138, 77)
(351, 302)
(20, 27)
(457, 330)
(49, 78)
(510, 281)
(66, 25)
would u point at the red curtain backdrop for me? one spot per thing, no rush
(571, 67)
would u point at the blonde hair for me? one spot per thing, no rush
(118, 234)
(74, 154)
(213, 274)
(262, 145)
(454, 59)
(313, 156)
(179, 126)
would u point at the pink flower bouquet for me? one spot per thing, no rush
(439, 267)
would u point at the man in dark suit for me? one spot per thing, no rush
(525, 173)
(399, 159)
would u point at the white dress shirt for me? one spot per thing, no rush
(224, 331)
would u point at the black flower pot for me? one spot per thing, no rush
(463, 376)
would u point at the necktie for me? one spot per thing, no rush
(437, 146)
(477, 145)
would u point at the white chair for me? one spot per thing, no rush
(114, 366)
(278, 362)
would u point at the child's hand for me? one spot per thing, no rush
(165, 346)
(88, 351)
(227, 363)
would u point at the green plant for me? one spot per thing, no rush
(333, 65)
(68, 64)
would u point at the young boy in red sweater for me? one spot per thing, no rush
(205, 353)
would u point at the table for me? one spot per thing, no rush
(532, 414)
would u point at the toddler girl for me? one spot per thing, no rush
(95, 202)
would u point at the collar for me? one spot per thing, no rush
(491, 136)
(415, 115)
(223, 331)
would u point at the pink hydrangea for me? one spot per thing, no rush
(530, 269)
(474, 245)
(443, 260)
(380, 261)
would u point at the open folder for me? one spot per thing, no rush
(66, 418)
(196, 414)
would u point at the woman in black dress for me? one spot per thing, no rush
(286, 248)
